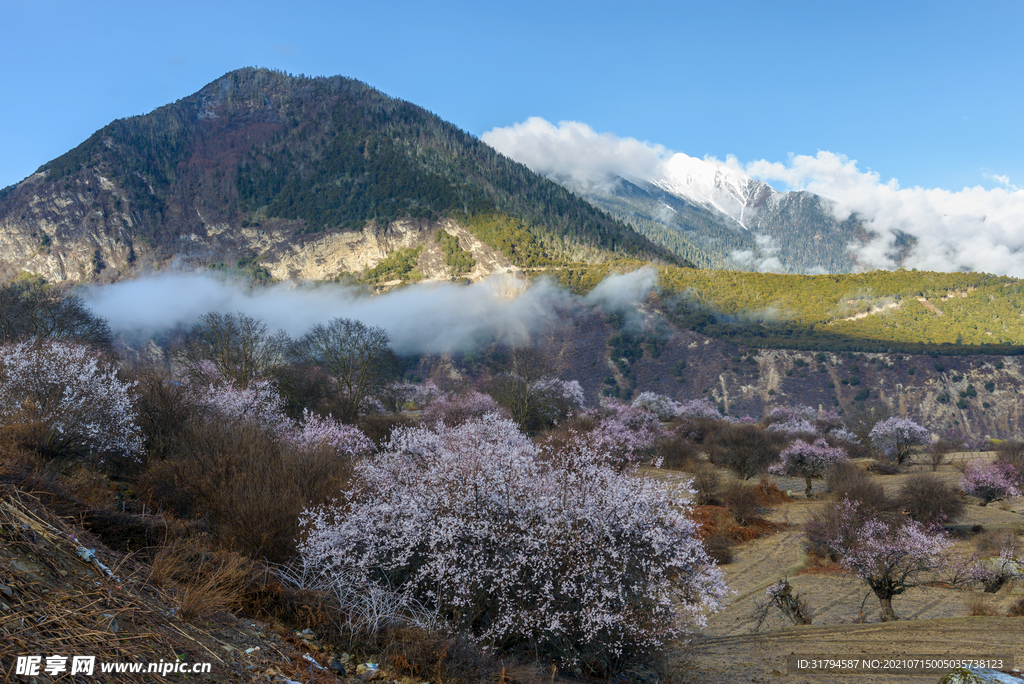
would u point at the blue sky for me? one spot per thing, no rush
(929, 93)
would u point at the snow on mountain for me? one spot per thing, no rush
(713, 185)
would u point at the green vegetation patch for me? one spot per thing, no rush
(399, 265)
(510, 236)
(458, 259)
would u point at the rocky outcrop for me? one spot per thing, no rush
(83, 232)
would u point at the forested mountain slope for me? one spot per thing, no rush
(259, 158)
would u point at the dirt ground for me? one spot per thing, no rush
(846, 616)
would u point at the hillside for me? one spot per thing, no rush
(260, 161)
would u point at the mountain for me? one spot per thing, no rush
(292, 173)
(716, 216)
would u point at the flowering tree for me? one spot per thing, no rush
(563, 554)
(789, 414)
(793, 428)
(70, 397)
(260, 403)
(658, 404)
(892, 558)
(990, 481)
(699, 408)
(995, 572)
(397, 396)
(895, 437)
(624, 435)
(801, 459)
(314, 431)
(452, 409)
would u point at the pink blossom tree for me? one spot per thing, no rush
(895, 437)
(562, 554)
(625, 435)
(892, 558)
(452, 409)
(70, 398)
(990, 481)
(808, 461)
(259, 403)
(699, 408)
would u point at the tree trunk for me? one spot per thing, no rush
(807, 492)
(888, 614)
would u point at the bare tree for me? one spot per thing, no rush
(32, 308)
(525, 388)
(232, 347)
(358, 357)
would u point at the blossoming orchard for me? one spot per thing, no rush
(497, 504)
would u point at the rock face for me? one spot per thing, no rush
(70, 233)
(82, 233)
(743, 381)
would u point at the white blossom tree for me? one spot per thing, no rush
(70, 398)
(563, 554)
(895, 437)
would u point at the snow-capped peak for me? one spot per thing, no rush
(713, 184)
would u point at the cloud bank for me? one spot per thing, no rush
(429, 318)
(975, 229)
(972, 229)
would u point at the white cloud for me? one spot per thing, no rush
(970, 229)
(575, 154)
(974, 228)
(420, 318)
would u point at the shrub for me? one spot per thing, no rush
(720, 548)
(706, 484)
(378, 426)
(1017, 609)
(742, 501)
(1011, 451)
(990, 481)
(849, 481)
(249, 485)
(929, 500)
(895, 437)
(561, 555)
(69, 400)
(808, 460)
(677, 453)
(781, 596)
(979, 606)
(745, 449)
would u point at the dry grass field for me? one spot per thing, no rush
(846, 616)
